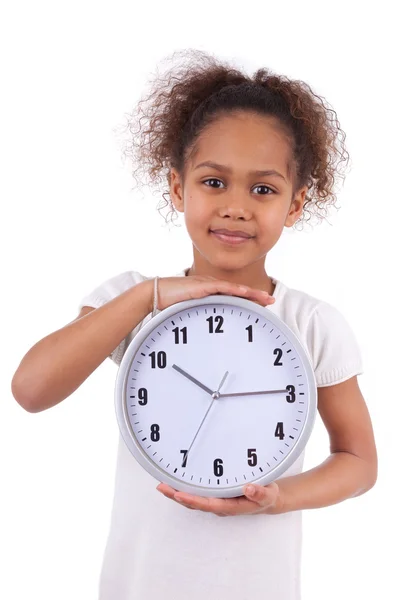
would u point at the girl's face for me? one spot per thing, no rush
(229, 184)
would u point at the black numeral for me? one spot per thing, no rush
(249, 329)
(279, 353)
(218, 468)
(218, 319)
(160, 361)
(155, 433)
(292, 395)
(142, 393)
(279, 431)
(184, 452)
(183, 332)
(252, 457)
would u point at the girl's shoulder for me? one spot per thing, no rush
(324, 331)
(302, 306)
(298, 307)
(110, 288)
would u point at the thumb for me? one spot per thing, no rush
(264, 496)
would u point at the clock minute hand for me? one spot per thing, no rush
(203, 387)
(254, 393)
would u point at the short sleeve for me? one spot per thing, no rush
(108, 290)
(332, 346)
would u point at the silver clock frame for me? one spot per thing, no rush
(122, 380)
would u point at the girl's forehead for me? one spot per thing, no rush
(240, 139)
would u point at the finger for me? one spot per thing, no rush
(167, 490)
(215, 505)
(260, 296)
(218, 506)
(195, 502)
(184, 503)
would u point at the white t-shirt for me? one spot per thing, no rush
(159, 550)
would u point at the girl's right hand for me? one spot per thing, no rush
(177, 289)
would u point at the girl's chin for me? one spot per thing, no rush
(227, 263)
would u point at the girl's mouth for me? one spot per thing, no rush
(230, 239)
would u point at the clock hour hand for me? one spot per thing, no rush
(254, 393)
(203, 387)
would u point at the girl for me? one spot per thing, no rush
(244, 157)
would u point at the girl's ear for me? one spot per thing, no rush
(176, 190)
(296, 207)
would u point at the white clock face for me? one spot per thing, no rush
(196, 440)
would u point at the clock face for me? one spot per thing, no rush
(188, 401)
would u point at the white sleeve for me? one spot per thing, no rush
(333, 346)
(108, 290)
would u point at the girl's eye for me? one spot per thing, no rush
(214, 181)
(265, 187)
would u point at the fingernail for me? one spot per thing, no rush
(178, 499)
(250, 490)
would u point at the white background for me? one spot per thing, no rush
(69, 221)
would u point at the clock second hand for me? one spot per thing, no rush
(215, 395)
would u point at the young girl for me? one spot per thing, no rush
(244, 157)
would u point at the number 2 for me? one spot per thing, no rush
(279, 353)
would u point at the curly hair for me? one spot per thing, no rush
(167, 121)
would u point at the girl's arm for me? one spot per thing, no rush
(59, 363)
(352, 467)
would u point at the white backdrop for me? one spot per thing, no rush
(70, 220)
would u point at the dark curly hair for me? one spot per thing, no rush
(164, 126)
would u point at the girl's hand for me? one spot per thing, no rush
(176, 289)
(264, 500)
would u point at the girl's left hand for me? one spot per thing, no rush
(262, 500)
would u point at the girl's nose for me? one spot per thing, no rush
(234, 211)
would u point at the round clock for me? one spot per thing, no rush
(216, 393)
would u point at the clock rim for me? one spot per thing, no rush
(120, 394)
